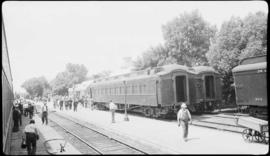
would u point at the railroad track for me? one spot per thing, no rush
(96, 141)
(224, 122)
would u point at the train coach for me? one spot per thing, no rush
(251, 85)
(160, 91)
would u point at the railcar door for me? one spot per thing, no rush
(181, 88)
(209, 87)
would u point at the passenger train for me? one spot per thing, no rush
(160, 91)
(7, 95)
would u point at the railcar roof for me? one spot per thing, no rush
(203, 69)
(120, 80)
(248, 67)
(155, 72)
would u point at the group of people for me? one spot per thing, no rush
(19, 110)
(69, 103)
(31, 134)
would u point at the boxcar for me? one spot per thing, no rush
(251, 86)
(159, 91)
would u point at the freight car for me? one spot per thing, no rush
(160, 91)
(251, 86)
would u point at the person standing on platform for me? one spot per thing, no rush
(31, 110)
(45, 113)
(61, 103)
(70, 103)
(31, 135)
(183, 119)
(112, 107)
(16, 116)
(75, 105)
(21, 112)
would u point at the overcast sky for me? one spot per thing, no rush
(43, 37)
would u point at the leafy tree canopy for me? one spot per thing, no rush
(36, 86)
(74, 74)
(188, 38)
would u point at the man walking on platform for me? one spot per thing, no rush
(31, 135)
(45, 113)
(183, 119)
(112, 107)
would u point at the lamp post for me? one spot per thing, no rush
(126, 116)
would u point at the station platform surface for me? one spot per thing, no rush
(46, 133)
(167, 135)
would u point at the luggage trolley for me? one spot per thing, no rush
(256, 129)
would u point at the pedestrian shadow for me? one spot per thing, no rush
(192, 139)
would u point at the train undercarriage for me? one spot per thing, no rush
(160, 112)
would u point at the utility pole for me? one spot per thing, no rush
(126, 116)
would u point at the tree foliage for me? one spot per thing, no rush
(188, 38)
(237, 39)
(36, 86)
(102, 74)
(74, 74)
(153, 57)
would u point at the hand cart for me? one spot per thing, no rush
(256, 129)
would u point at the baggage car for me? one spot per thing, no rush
(251, 85)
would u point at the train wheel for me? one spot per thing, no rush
(148, 112)
(247, 135)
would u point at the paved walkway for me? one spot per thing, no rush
(168, 134)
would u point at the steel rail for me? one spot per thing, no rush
(102, 134)
(68, 131)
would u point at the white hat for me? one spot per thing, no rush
(183, 105)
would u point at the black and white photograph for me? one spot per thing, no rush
(134, 77)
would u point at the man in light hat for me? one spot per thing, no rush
(183, 118)
(45, 113)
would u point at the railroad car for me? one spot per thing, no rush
(159, 91)
(251, 85)
(7, 95)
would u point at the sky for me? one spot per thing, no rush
(42, 37)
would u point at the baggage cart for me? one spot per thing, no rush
(256, 129)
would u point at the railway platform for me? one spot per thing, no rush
(46, 133)
(166, 135)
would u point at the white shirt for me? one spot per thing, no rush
(181, 113)
(112, 106)
(45, 108)
(31, 128)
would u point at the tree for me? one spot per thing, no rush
(74, 74)
(102, 74)
(188, 38)
(237, 39)
(153, 57)
(36, 86)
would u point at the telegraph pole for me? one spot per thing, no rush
(126, 116)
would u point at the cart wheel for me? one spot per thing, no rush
(265, 138)
(247, 135)
(259, 137)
